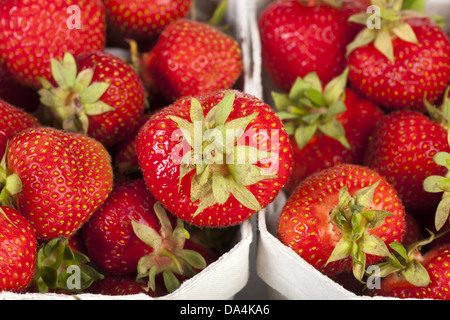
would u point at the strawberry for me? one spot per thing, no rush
(108, 235)
(17, 250)
(97, 94)
(402, 62)
(131, 233)
(341, 212)
(13, 120)
(401, 149)
(309, 38)
(121, 286)
(58, 179)
(326, 125)
(412, 274)
(142, 21)
(192, 58)
(33, 32)
(215, 160)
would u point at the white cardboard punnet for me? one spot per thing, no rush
(225, 277)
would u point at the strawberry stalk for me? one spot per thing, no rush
(437, 184)
(309, 108)
(221, 166)
(168, 256)
(75, 97)
(55, 260)
(355, 218)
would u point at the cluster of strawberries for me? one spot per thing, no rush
(135, 172)
(364, 98)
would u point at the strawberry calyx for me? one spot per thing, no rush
(222, 166)
(168, 256)
(385, 25)
(437, 184)
(309, 107)
(355, 218)
(406, 262)
(440, 114)
(59, 268)
(75, 97)
(10, 183)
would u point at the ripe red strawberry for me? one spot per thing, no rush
(130, 233)
(307, 38)
(13, 120)
(326, 126)
(17, 251)
(97, 94)
(400, 63)
(424, 276)
(401, 149)
(193, 58)
(123, 285)
(108, 235)
(60, 179)
(33, 32)
(347, 210)
(142, 21)
(216, 159)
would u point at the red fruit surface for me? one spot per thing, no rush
(193, 58)
(17, 251)
(401, 149)
(161, 169)
(419, 70)
(13, 120)
(297, 39)
(65, 178)
(437, 262)
(109, 236)
(143, 20)
(33, 32)
(17, 94)
(305, 225)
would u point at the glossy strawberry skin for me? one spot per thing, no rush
(437, 262)
(305, 226)
(161, 171)
(193, 58)
(65, 178)
(359, 121)
(126, 94)
(298, 39)
(13, 120)
(419, 70)
(109, 236)
(143, 20)
(17, 251)
(401, 149)
(33, 32)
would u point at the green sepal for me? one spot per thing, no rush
(168, 256)
(75, 96)
(309, 107)
(53, 261)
